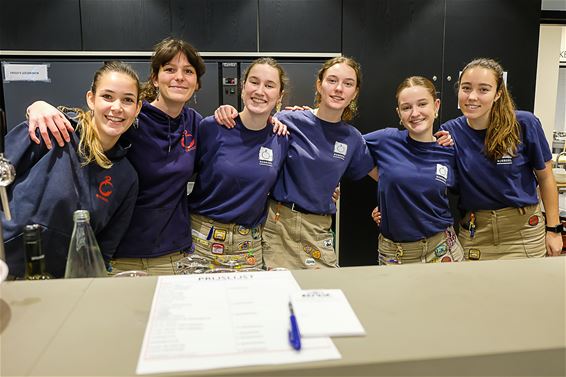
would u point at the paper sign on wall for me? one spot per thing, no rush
(26, 72)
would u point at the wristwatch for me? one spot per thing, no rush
(555, 229)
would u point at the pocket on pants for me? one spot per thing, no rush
(322, 249)
(533, 240)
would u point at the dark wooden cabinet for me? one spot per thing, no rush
(393, 39)
(300, 25)
(312, 26)
(40, 25)
(505, 30)
(125, 25)
(216, 25)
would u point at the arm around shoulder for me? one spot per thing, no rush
(49, 120)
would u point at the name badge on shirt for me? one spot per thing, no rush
(441, 173)
(265, 156)
(505, 160)
(340, 150)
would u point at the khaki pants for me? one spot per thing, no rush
(296, 240)
(163, 265)
(507, 233)
(441, 247)
(227, 245)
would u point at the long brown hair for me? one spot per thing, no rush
(352, 109)
(163, 52)
(503, 133)
(90, 148)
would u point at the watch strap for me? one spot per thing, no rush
(555, 229)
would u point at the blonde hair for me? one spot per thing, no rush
(90, 148)
(503, 132)
(352, 109)
(163, 52)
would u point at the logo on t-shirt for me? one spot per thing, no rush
(441, 173)
(188, 142)
(105, 189)
(505, 160)
(265, 156)
(340, 150)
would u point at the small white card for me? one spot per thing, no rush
(26, 72)
(325, 312)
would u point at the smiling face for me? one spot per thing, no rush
(115, 106)
(417, 110)
(177, 81)
(477, 93)
(262, 89)
(338, 87)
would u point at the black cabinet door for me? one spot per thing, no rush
(300, 25)
(125, 25)
(216, 25)
(40, 25)
(392, 39)
(505, 30)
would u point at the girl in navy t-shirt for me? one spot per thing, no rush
(414, 174)
(502, 156)
(323, 149)
(236, 170)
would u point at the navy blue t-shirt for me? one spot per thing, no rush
(236, 171)
(413, 181)
(320, 154)
(508, 182)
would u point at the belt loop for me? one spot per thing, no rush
(495, 228)
(399, 252)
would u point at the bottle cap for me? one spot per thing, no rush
(81, 215)
(32, 233)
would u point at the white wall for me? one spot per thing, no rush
(560, 120)
(547, 76)
(553, 5)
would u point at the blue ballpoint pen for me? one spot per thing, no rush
(294, 334)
